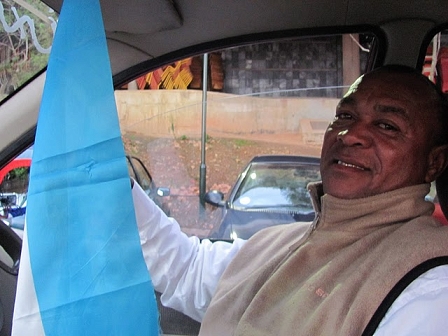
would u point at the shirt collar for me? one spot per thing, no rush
(394, 206)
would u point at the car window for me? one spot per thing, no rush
(26, 32)
(435, 63)
(435, 67)
(276, 97)
(266, 98)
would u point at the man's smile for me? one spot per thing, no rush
(351, 165)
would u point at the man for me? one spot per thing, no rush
(373, 260)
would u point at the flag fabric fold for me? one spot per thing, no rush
(82, 270)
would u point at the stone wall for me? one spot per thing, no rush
(281, 68)
(177, 113)
(309, 67)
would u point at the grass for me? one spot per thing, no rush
(242, 142)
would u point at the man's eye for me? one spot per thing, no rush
(342, 116)
(387, 127)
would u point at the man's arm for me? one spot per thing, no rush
(185, 270)
(422, 308)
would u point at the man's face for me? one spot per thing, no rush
(380, 139)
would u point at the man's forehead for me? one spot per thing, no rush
(399, 87)
(382, 106)
(402, 94)
(399, 81)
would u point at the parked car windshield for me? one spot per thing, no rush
(276, 186)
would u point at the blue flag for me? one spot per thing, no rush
(82, 270)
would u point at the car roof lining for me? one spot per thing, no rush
(159, 27)
(150, 29)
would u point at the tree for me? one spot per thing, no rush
(26, 35)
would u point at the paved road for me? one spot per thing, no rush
(168, 170)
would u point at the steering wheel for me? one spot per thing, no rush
(10, 249)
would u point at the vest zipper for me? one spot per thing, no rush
(296, 245)
(306, 236)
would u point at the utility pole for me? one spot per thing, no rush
(203, 167)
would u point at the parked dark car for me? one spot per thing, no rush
(271, 190)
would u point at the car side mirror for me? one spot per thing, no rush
(215, 197)
(163, 191)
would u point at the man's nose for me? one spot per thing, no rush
(355, 135)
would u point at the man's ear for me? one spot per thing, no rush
(438, 161)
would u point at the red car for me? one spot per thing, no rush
(439, 214)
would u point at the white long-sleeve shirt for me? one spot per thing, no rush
(186, 271)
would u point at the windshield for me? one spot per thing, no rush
(277, 186)
(26, 35)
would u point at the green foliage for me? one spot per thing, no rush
(18, 173)
(242, 142)
(16, 181)
(184, 137)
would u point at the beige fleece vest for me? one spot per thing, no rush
(328, 280)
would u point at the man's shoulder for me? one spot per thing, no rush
(275, 239)
(425, 227)
(284, 231)
(419, 244)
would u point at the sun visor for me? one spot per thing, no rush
(142, 17)
(135, 17)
